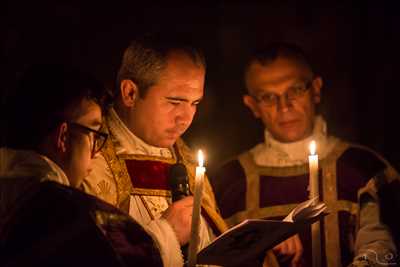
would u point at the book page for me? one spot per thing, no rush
(249, 240)
(245, 242)
(306, 210)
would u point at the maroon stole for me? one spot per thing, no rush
(149, 175)
(342, 174)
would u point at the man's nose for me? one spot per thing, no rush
(284, 103)
(186, 114)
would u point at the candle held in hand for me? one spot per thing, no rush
(313, 168)
(314, 192)
(198, 192)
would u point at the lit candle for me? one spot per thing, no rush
(198, 191)
(313, 167)
(314, 192)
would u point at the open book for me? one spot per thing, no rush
(249, 240)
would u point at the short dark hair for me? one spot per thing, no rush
(269, 53)
(47, 95)
(146, 57)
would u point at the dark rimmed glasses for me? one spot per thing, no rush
(292, 93)
(99, 138)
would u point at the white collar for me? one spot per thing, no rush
(275, 153)
(129, 143)
(26, 163)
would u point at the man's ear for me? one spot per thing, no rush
(251, 103)
(61, 137)
(129, 92)
(317, 85)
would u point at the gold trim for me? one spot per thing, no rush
(151, 192)
(118, 170)
(147, 157)
(328, 166)
(147, 207)
(331, 221)
(184, 153)
(329, 187)
(252, 181)
(122, 178)
(121, 175)
(285, 171)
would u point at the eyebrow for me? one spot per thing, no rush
(176, 98)
(258, 91)
(293, 83)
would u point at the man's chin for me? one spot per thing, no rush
(166, 142)
(290, 137)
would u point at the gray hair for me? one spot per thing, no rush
(145, 58)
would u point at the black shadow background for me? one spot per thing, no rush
(354, 46)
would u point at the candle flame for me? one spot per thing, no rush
(200, 157)
(313, 147)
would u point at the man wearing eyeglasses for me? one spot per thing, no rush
(270, 179)
(52, 134)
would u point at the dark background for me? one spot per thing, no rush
(354, 46)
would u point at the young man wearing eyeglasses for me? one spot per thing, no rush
(53, 133)
(269, 179)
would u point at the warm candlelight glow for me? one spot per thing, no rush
(314, 193)
(200, 158)
(198, 191)
(313, 147)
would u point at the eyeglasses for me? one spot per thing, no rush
(98, 138)
(293, 93)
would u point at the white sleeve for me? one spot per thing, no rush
(167, 240)
(374, 242)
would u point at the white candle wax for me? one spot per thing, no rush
(314, 192)
(313, 168)
(198, 192)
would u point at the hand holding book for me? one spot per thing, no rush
(248, 240)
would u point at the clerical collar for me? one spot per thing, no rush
(275, 153)
(129, 143)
